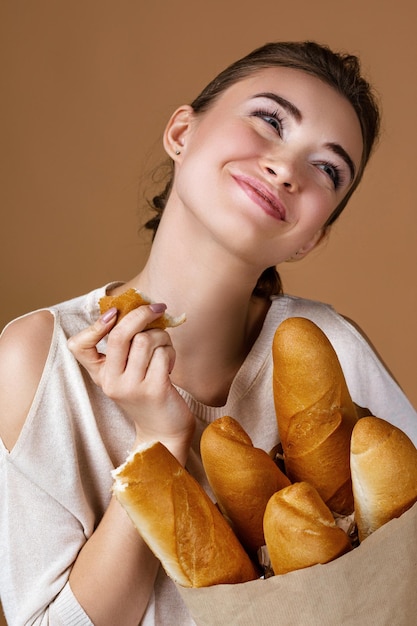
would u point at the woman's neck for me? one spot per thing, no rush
(214, 290)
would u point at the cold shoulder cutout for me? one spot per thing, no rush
(24, 349)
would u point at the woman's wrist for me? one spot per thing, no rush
(178, 445)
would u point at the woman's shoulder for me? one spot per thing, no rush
(344, 334)
(321, 313)
(24, 348)
(25, 345)
(299, 304)
(355, 350)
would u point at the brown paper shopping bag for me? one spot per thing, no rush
(374, 585)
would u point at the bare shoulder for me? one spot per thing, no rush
(24, 348)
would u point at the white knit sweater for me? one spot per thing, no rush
(55, 483)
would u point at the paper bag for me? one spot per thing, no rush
(374, 585)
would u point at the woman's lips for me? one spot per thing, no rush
(255, 190)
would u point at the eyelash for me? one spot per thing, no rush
(336, 175)
(271, 115)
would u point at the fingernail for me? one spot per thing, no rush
(157, 307)
(108, 315)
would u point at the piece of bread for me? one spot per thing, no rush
(300, 530)
(315, 413)
(242, 478)
(384, 473)
(132, 299)
(178, 521)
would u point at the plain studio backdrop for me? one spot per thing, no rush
(87, 87)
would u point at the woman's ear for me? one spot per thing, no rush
(176, 131)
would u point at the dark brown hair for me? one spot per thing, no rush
(341, 71)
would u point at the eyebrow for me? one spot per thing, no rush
(286, 104)
(297, 115)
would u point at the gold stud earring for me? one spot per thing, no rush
(177, 152)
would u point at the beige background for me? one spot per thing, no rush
(87, 87)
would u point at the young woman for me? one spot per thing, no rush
(264, 160)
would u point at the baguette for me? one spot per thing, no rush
(300, 530)
(242, 478)
(384, 473)
(178, 521)
(132, 299)
(314, 410)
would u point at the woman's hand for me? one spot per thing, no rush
(135, 373)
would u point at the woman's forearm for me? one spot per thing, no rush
(115, 571)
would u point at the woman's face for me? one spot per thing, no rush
(264, 168)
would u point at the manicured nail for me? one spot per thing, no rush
(157, 307)
(108, 315)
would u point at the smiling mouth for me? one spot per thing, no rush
(261, 196)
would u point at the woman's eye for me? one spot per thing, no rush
(271, 118)
(332, 172)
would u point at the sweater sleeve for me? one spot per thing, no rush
(65, 610)
(38, 544)
(373, 386)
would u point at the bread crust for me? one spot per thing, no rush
(132, 299)
(300, 530)
(384, 473)
(242, 478)
(314, 410)
(178, 521)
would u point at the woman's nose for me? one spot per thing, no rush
(282, 171)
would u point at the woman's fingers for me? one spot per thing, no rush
(83, 345)
(127, 368)
(143, 349)
(129, 346)
(120, 342)
(135, 373)
(161, 364)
